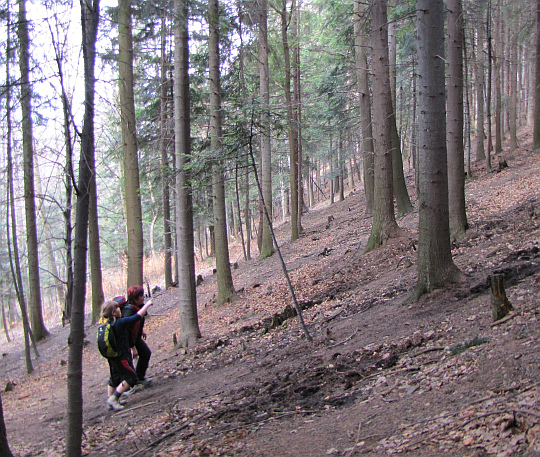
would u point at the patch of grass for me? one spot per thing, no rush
(459, 348)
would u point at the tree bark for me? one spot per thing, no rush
(500, 305)
(90, 21)
(267, 245)
(384, 223)
(34, 300)
(435, 265)
(187, 302)
(360, 43)
(164, 146)
(454, 122)
(223, 266)
(536, 132)
(129, 146)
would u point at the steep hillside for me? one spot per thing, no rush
(380, 377)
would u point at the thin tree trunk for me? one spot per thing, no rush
(187, 302)
(129, 142)
(34, 301)
(74, 430)
(164, 146)
(384, 224)
(456, 153)
(223, 266)
(267, 247)
(360, 41)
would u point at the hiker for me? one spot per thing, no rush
(123, 376)
(137, 342)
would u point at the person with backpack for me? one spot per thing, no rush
(139, 348)
(122, 374)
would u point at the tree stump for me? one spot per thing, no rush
(499, 302)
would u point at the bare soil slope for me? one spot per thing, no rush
(380, 377)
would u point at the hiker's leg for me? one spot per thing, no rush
(144, 358)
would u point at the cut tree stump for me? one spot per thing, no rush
(500, 304)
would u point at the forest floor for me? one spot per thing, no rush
(380, 377)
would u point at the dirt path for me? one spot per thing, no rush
(379, 378)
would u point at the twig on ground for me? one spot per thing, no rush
(171, 433)
(345, 340)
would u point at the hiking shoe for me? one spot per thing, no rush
(146, 382)
(113, 402)
(122, 402)
(133, 390)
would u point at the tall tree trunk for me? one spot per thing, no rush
(267, 245)
(435, 265)
(513, 77)
(456, 153)
(187, 302)
(129, 146)
(498, 81)
(34, 301)
(14, 257)
(360, 43)
(297, 109)
(384, 224)
(293, 151)
(90, 21)
(489, 85)
(536, 134)
(98, 297)
(223, 266)
(164, 146)
(401, 194)
(480, 85)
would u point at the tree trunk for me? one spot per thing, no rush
(384, 224)
(4, 447)
(164, 154)
(500, 305)
(435, 265)
(456, 153)
(293, 151)
(187, 298)
(34, 300)
(360, 43)
(498, 81)
(14, 257)
(90, 20)
(267, 245)
(480, 85)
(513, 76)
(98, 297)
(536, 134)
(404, 205)
(223, 266)
(129, 146)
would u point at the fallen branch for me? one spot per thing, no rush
(345, 340)
(129, 410)
(171, 433)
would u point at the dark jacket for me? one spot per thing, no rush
(136, 329)
(122, 333)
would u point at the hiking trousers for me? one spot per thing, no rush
(144, 358)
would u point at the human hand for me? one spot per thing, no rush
(143, 335)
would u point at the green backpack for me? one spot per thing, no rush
(106, 341)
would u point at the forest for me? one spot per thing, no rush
(163, 143)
